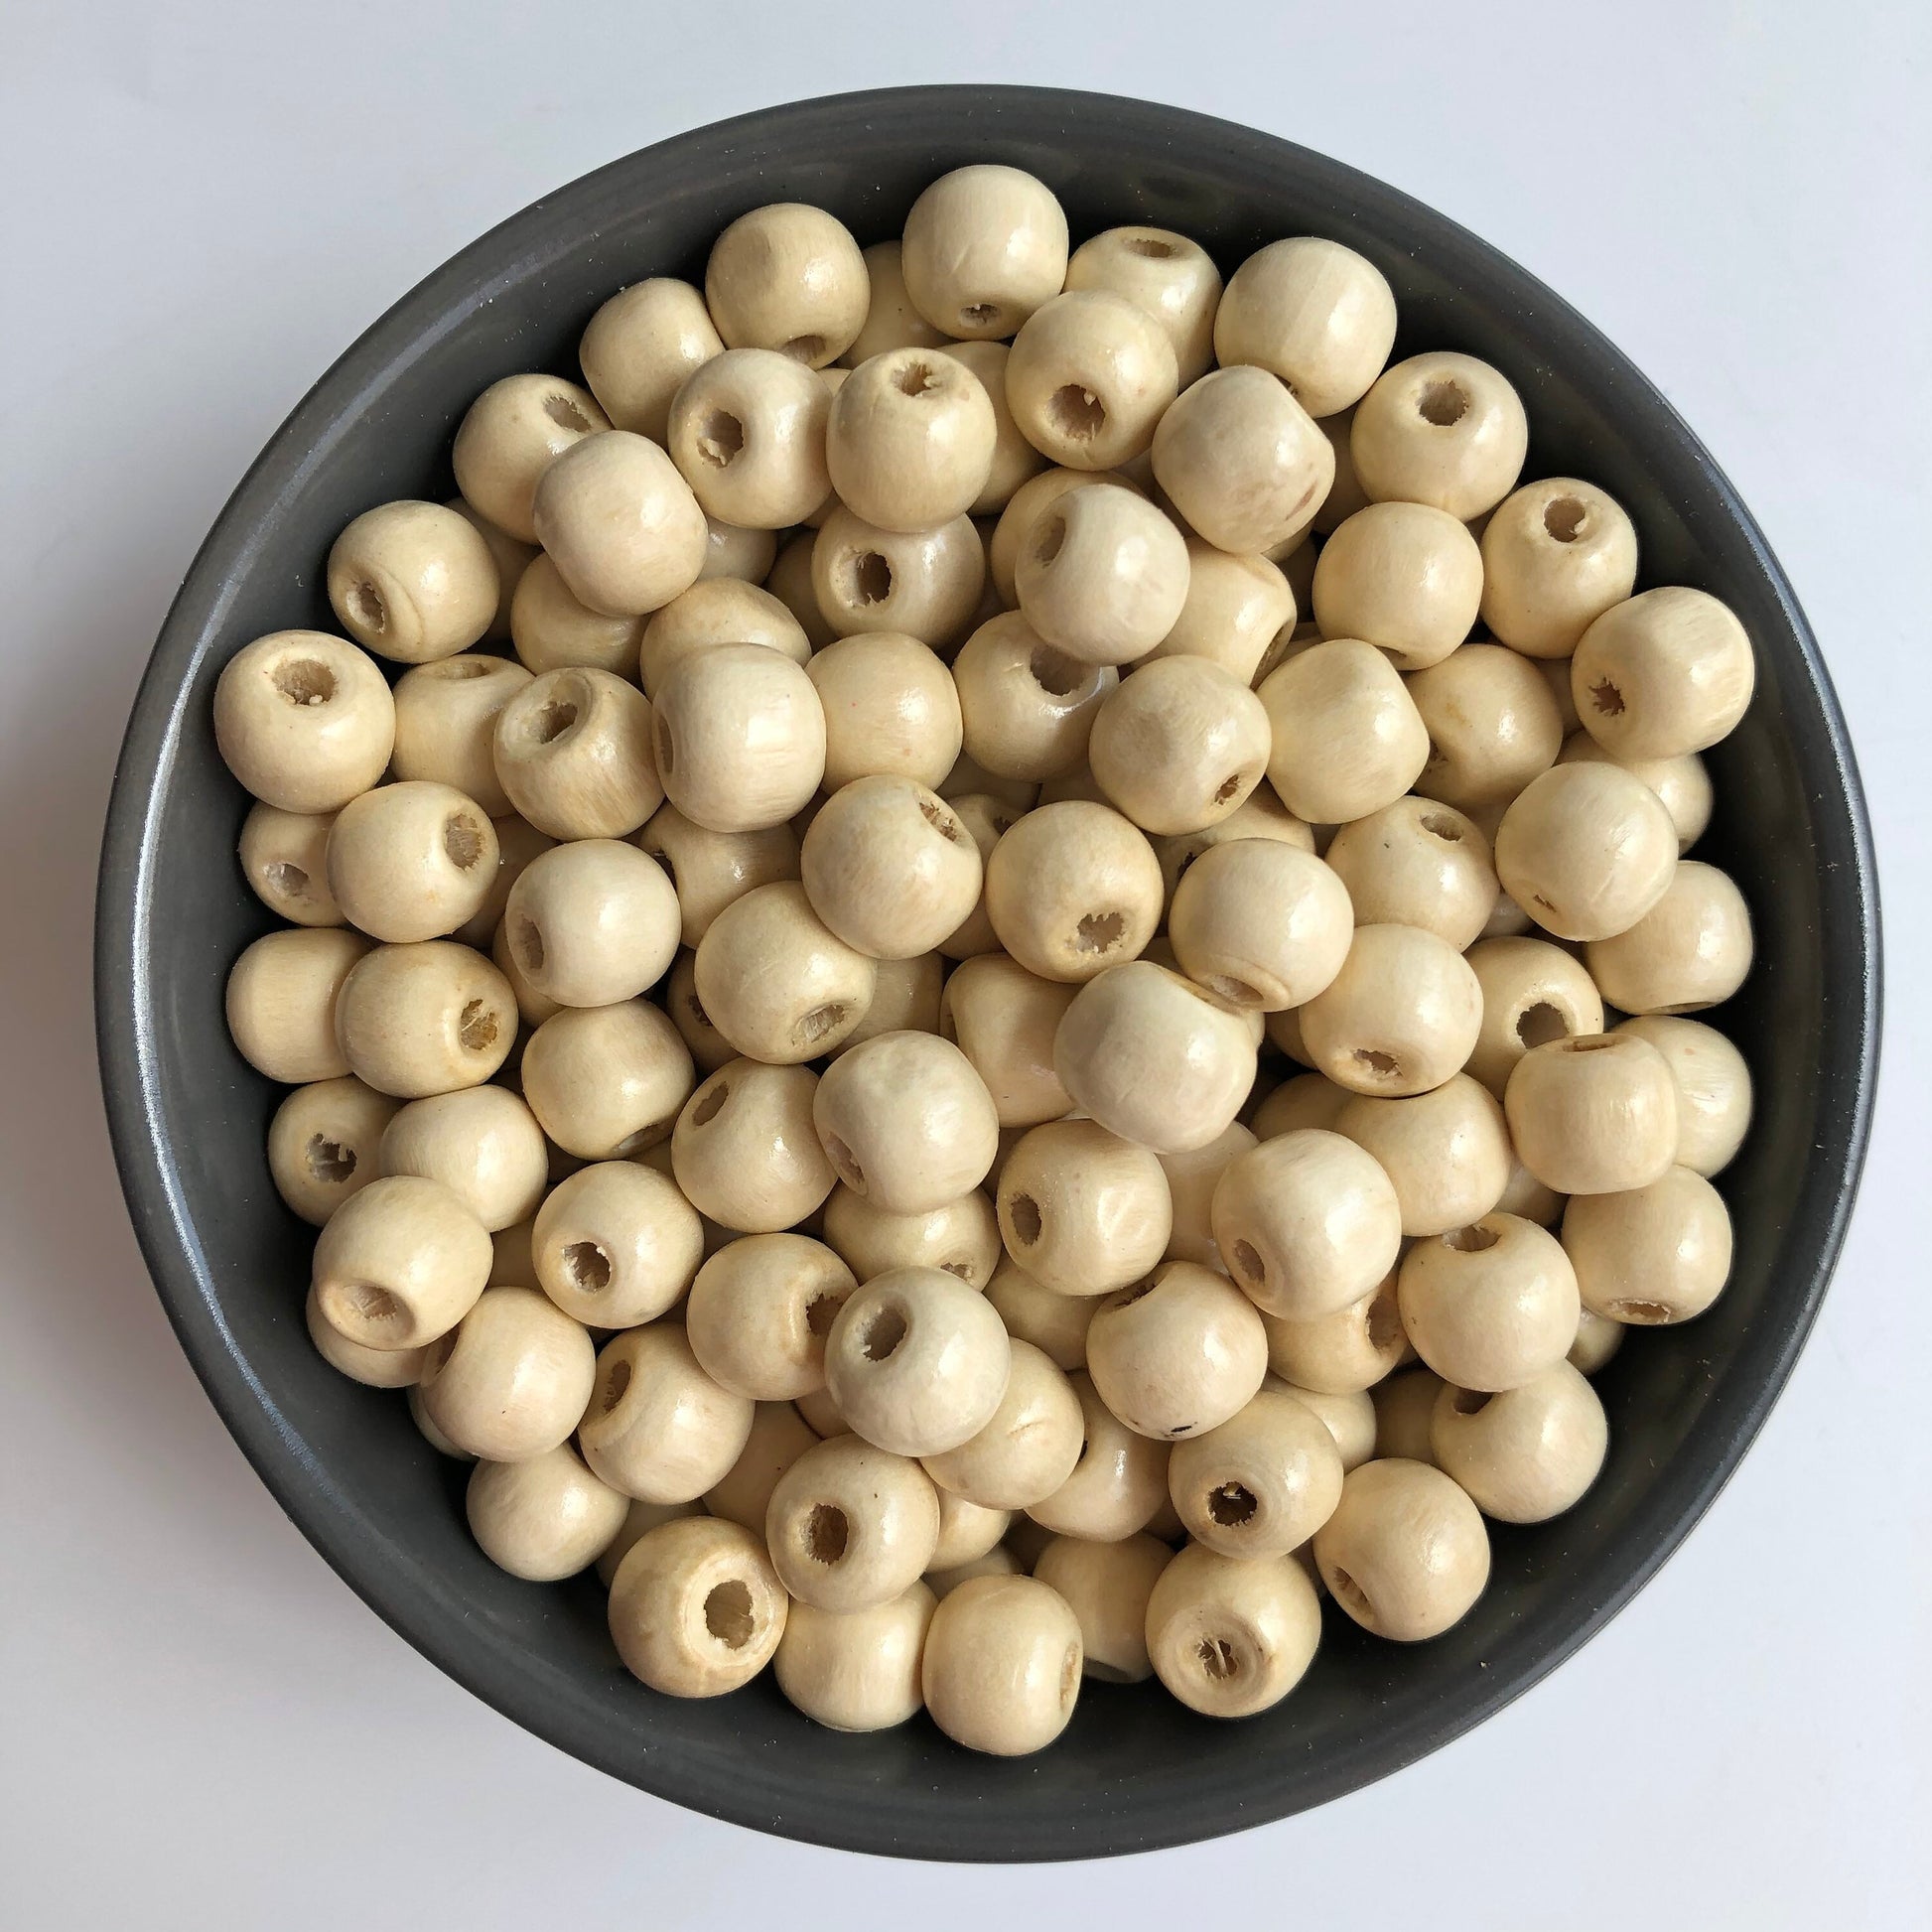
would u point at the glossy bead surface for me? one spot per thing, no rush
(616, 1244)
(745, 1151)
(1403, 577)
(304, 721)
(1178, 1353)
(889, 866)
(777, 981)
(1490, 1306)
(1406, 1552)
(412, 582)
(1082, 1210)
(1073, 889)
(1594, 1113)
(759, 1313)
(1346, 737)
(984, 246)
(620, 523)
(696, 1608)
(1441, 429)
(510, 436)
(640, 345)
(1690, 950)
(573, 753)
(1241, 460)
(1585, 850)
(1001, 1666)
(787, 277)
(851, 1526)
(1556, 555)
(1663, 673)
(1229, 1637)
(1313, 313)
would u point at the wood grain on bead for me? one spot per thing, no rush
(621, 524)
(984, 246)
(657, 1427)
(1316, 315)
(1447, 1151)
(1082, 1210)
(424, 1018)
(510, 436)
(614, 1244)
(1489, 1306)
(1441, 429)
(1406, 1552)
(777, 981)
(696, 1608)
(304, 720)
(760, 1310)
(1229, 1636)
(1346, 738)
(1178, 1354)
(574, 754)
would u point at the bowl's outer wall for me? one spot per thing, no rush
(1136, 1769)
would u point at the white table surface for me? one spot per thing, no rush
(205, 201)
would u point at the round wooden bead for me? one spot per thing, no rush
(1000, 1672)
(1003, 1019)
(777, 981)
(1683, 784)
(1405, 1409)
(821, 1414)
(543, 1519)
(623, 528)
(1441, 429)
(1417, 863)
(639, 348)
(1180, 745)
(1073, 889)
(1690, 950)
(1088, 378)
(1598, 1340)
(858, 1672)
(510, 436)
(1119, 1482)
(1102, 575)
(411, 861)
(1526, 1453)
(639, 1522)
(713, 612)
(891, 322)
(1192, 1175)
(1528, 1196)
(574, 754)
(736, 554)
(1592, 1114)
(1260, 924)
(323, 1145)
(1346, 737)
(984, 246)
(1587, 850)
(534, 1007)
(1493, 725)
(1262, 1483)
(987, 820)
(400, 1263)
(608, 1081)
(1533, 993)
(890, 708)
(906, 999)
(593, 923)
(1401, 1016)
(1654, 1254)
(1406, 1552)
(1348, 1419)
(511, 1379)
(412, 582)
(1230, 1637)
(1053, 1322)
(709, 1048)
(1241, 460)
(657, 1427)
(889, 866)
(1082, 1210)
(1307, 1100)
(961, 1236)
(304, 721)
(1447, 1151)
(712, 870)
(1261, 815)
(1014, 459)
(1349, 1349)
(284, 858)
(1714, 1088)
(482, 1143)
(746, 433)
(1166, 276)
(554, 631)
(1403, 577)
(1178, 1353)
(779, 1437)
(1013, 535)
(1107, 1586)
(375, 1368)
(791, 278)
(744, 1151)
(424, 1018)
(696, 1608)
(445, 724)
(740, 737)
(511, 559)
(909, 440)
(789, 580)
(1027, 708)
(760, 1310)
(282, 995)
(1313, 313)
(1491, 1305)
(926, 582)
(616, 1244)
(1664, 673)
(1235, 608)
(851, 1526)
(1556, 555)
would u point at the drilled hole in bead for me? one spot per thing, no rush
(526, 944)
(1249, 1265)
(979, 315)
(1384, 1319)
(1608, 699)
(845, 1163)
(820, 1023)
(1151, 245)
(566, 415)
(587, 1268)
(462, 840)
(1443, 403)
(963, 1269)
(645, 1136)
(728, 1613)
(1443, 828)
(1349, 1595)
(1099, 932)
(711, 1104)
(1076, 413)
(916, 380)
(549, 722)
(664, 745)
(1229, 787)
(1470, 1401)
(330, 1162)
(1647, 1315)
(1049, 536)
(868, 577)
(885, 1330)
(1237, 993)
(1474, 1239)
(476, 1027)
(720, 438)
(1023, 1212)
(821, 1312)
(304, 681)
(1564, 519)
(1540, 1023)
(700, 1019)
(373, 1309)
(1595, 1044)
(1216, 1657)
(809, 349)
(1057, 674)
(286, 880)
(1232, 1505)
(1376, 1064)
(1138, 1292)
(453, 671)
(1069, 1676)
(614, 1385)
(826, 1533)
(943, 821)
(437, 1358)
(367, 606)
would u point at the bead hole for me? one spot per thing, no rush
(1443, 828)
(526, 942)
(846, 1163)
(1057, 674)
(462, 840)
(711, 1104)
(1023, 1212)
(367, 607)
(1443, 403)
(809, 349)
(1608, 699)
(304, 681)
(476, 1027)
(1076, 412)
(943, 821)
(1099, 932)
(566, 415)
(614, 1386)
(826, 1533)
(1049, 537)
(372, 1310)
(721, 438)
(286, 880)
(1646, 1314)
(1237, 993)
(1470, 1401)
(884, 1333)
(1232, 1505)
(551, 721)
(328, 1162)
(1540, 1023)
(1474, 1239)
(1349, 1595)
(1216, 1658)
(1069, 1676)
(1384, 1319)
(1249, 1265)
(588, 1267)
(979, 315)
(1376, 1064)
(869, 578)
(1563, 520)
(821, 1312)
(1151, 245)
(1595, 1043)
(819, 1022)
(915, 379)
(728, 1613)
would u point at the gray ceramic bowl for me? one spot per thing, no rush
(1135, 1769)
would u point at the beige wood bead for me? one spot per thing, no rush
(1073, 889)
(1447, 1151)
(789, 580)
(906, 998)
(1346, 495)
(282, 995)
(1026, 709)
(1346, 737)
(1683, 784)
(1598, 1338)
(639, 1522)
(1403, 577)
(511, 559)
(1587, 850)
(967, 1532)
(1234, 609)
(1655, 1254)
(1180, 745)
(1013, 535)
(593, 923)
(532, 1007)
(1663, 673)
(1493, 725)
(375, 1368)
(1166, 276)
(1712, 1084)
(777, 983)
(1014, 459)
(791, 278)
(744, 1151)
(1001, 1671)
(1418, 863)
(639, 348)
(890, 707)
(657, 1427)
(304, 720)
(696, 1608)
(1556, 555)
(740, 737)
(1192, 1175)
(1533, 993)
(1307, 1100)
(1107, 1586)
(760, 1310)
(1242, 461)
(1082, 1210)
(510, 436)
(482, 1143)
(400, 1263)
(424, 1018)
(323, 1145)
(1405, 1408)
(1527, 1454)
(712, 870)
(553, 630)
(1262, 1483)
(924, 583)
(413, 582)
(710, 1050)
(445, 724)
(1489, 1306)
(736, 554)
(1053, 1322)
(889, 866)
(411, 861)
(511, 1379)
(1119, 1482)
(858, 1672)
(891, 322)
(1026, 1450)
(1441, 429)
(1406, 1554)
(987, 819)
(542, 1519)
(1230, 1637)
(1528, 1196)
(429, 1431)
(1507, 919)
(961, 1236)
(1316, 315)
(1691, 950)
(1347, 1350)
(822, 1415)
(284, 858)
(621, 524)
(1102, 575)
(1003, 1019)
(1348, 1419)
(909, 440)
(1089, 376)
(746, 433)
(1178, 1353)
(616, 1244)
(1594, 1113)
(1400, 1017)
(720, 610)
(1555, 674)
(1261, 815)
(1261, 923)
(608, 1081)
(851, 1526)
(574, 754)
(984, 246)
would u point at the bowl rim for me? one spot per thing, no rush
(151, 1179)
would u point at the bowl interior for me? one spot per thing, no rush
(1136, 1769)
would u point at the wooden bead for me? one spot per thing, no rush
(1556, 555)
(1417, 863)
(961, 1236)
(1348, 1419)
(1403, 577)
(1073, 889)
(1447, 1151)
(1168, 276)
(890, 708)
(1690, 950)
(791, 278)
(906, 999)
(736, 554)
(543, 1519)
(789, 580)
(909, 440)
(284, 858)
(574, 754)
(1230, 1637)
(716, 611)
(1003, 1019)
(639, 1522)
(1346, 495)
(1489, 1306)
(1261, 924)
(1178, 1353)
(760, 1310)
(1307, 1100)
(1026, 709)
(1441, 429)
(1241, 460)
(966, 1533)
(593, 923)
(510, 436)
(1712, 1084)
(1527, 1454)
(984, 247)
(400, 1263)
(1089, 377)
(511, 559)
(1592, 1114)
(1116, 1485)
(1654, 1254)
(1406, 1552)
(987, 820)
(639, 348)
(429, 1431)
(659, 1428)
(891, 322)
(779, 1437)
(1107, 1585)
(1053, 1322)
(412, 582)
(712, 870)
(554, 631)
(375, 1368)
(1261, 815)
(621, 524)
(1587, 850)
(1526, 1195)
(1027, 1449)
(1000, 1672)
(822, 1415)
(925, 584)
(696, 1608)
(1683, 784)
(777, 983)
(709, 1048)
(1533, 993)
(1262, 1483)
(1102, 575)
(1313, 313)
(1663, 673)
(445, 726)
(424, 1018)
(859, 1672)
(608, 1081)
(1014, 459)
(511, 1379)
(411, 861)
(616, 1244)
(1401, 1016)
(1597, 1340)
(282, 995)
(483, 1143)
(304, 721)
(851, 1526)
(1234, 609)
(1192, 1175)
(323, 1145)
(1014, 532)
(1180, 745)
(746, 433)
(1346, 737)
(1493, 725)
(740, 737)
(889, 868)
(1082, 1210)
(532, 1007)
(1405, 1409)
(743, 1149)
(1347, 1351)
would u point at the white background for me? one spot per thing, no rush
(203, 204)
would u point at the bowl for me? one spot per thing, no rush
(1136, 1769)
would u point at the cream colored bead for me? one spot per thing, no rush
(1180, 745)
(743, 1149)
(1683, 784)
(445, 724)
(747, 432)
(987, 819)
(890, 707)
(429, 1431)
(375, 1368)
(1421, 864)
(1406, 1554)
(1053, 1322)
(1166, 276)
(733, 553)
(710, 1050)
(574, 754)
(323, 1145)
(659, 1428)
(1082, 1210)
(411, 861)
(554, 631)
(822, 1415)
(906, 999)
(716, 611)
(639, 1522)
(1241, 460)
(1593, 1114)
(1307, 1100)
(413, 582)
(1261, 924)
(760, 1310)
(1013, 535)
(1401, 1016)
(1234, 609)
(1107, 1586)
(533, 1006)
(966, 1532)
(1447, 1151)
(889, 866)
(399, 1263)
(740, 737)
(1655, 1254)
(1663, 673)
(891, 322)
(851, 1526)
(284, 858)
(1261, 815)
(1003, 1019)
(1176, 1354)
(1405, 1409)
(593, 923)
(608, 1081)
(543, 1519)
(1714, 1088)
(1587, 850)
(482, 1143)
(511, 559)
(1229, 1637)
(1346, 736)
(1089, 376)
(1692, 949)
(1102, 575)
(961, 1236)
(1441, 429)
(859, 1672)
(1528, 1196)
(639, 348)
(1533, 993)
(1403, 577)
(1026, 709)
(909, 440)
(510, 436)
(1527, 1454)
(1347, 1351)
(1493, 725)
(1507, 919)
(414, 1020)
(1192, 1175)
(712, 870)
(1073, 889)
(984, 247)
(696, 1608)
(304, 721)
(1026, 1450)
(282, 995)
(1556, 555)
(1000, 1672)
(616, 1244)
(511, 1379)
(777, 983)
(621, 524)
(1348, 1419)
(787, 277)
(1262, 1483)
(1014, 459)
(924, 583)
(1313, 313)
(1597, 1340)
(789, 580)
(1489, 1306)
(1118, 1484)
(1346, 495)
